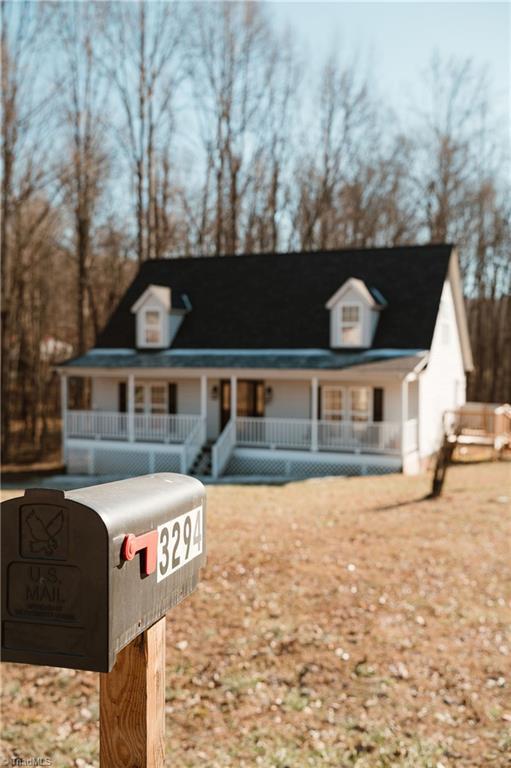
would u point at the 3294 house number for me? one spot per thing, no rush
(179, 541)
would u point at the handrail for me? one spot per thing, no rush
(192, 445)
(222, 449)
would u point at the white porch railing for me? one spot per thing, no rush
(97, 424)
(274, 433)
(222, 449)
(170, 428)
(356, 436)
(192, 445)
(360, 436)
(165, 428)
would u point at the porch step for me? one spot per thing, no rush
(202, 464)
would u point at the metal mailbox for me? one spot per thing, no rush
(86, 571)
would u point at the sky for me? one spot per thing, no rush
(398, 39)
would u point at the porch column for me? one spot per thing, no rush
(404, 411)
(63, 411)
(204, 404)
(131, 407)
(234, 398)
(314, 414)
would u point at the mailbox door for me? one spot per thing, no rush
(54, 582)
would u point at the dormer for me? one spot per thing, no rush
(354, 313)
(157, 320)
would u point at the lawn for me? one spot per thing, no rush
(339, 622)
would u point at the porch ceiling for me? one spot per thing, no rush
(381, 360)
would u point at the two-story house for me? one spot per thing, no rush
(283, 365)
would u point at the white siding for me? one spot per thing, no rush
(442, 383)
(291, 399)
(188, 396)
(105, 394)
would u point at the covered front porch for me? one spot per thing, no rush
(171, 418)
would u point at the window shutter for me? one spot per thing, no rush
(318, 414)
(172, 397)
(122, 397)
(378, 404)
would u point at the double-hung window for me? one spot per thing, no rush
(359, 404)
(152, 327)
(345, 404)
(332, 403)
(350, 325)
(151, 398)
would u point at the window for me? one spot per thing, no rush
(351, 330)
(151, 398)
(359, 402)
(332, 403)
(338, 403)
(152, 327)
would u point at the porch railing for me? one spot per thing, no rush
(97, 424)
(300, 434)
(222, 449)
(169, 428)
(192, 445)
(103, 425)
(360, 436)
(274, 433)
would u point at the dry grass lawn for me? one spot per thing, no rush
(340, 622)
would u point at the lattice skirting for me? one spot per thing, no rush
(267, 465)
(110, 460)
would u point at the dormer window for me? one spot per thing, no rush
(152, 327)
(354, 313)
(351, 326)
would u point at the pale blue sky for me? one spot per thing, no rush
(397, 39)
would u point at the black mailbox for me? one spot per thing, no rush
(86, 571)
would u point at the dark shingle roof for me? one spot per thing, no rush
(277, 301)
(304, 359)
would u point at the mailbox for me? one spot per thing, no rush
(86, 571)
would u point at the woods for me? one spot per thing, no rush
(135, 131)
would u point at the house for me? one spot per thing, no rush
(283, 365)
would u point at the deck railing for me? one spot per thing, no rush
(300, 434)
(103, 425)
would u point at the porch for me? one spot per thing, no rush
(238, 424)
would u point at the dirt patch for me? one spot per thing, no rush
(340, 622)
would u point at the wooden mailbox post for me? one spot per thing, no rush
(88, 577)
(132, 704)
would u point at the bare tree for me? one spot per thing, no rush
(26, 177)
(231, 61)
(84, 102)
(332, 172)
(463, 197)
(142, 59)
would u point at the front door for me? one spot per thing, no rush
(250, 397)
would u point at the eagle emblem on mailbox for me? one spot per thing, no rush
(44, 532)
